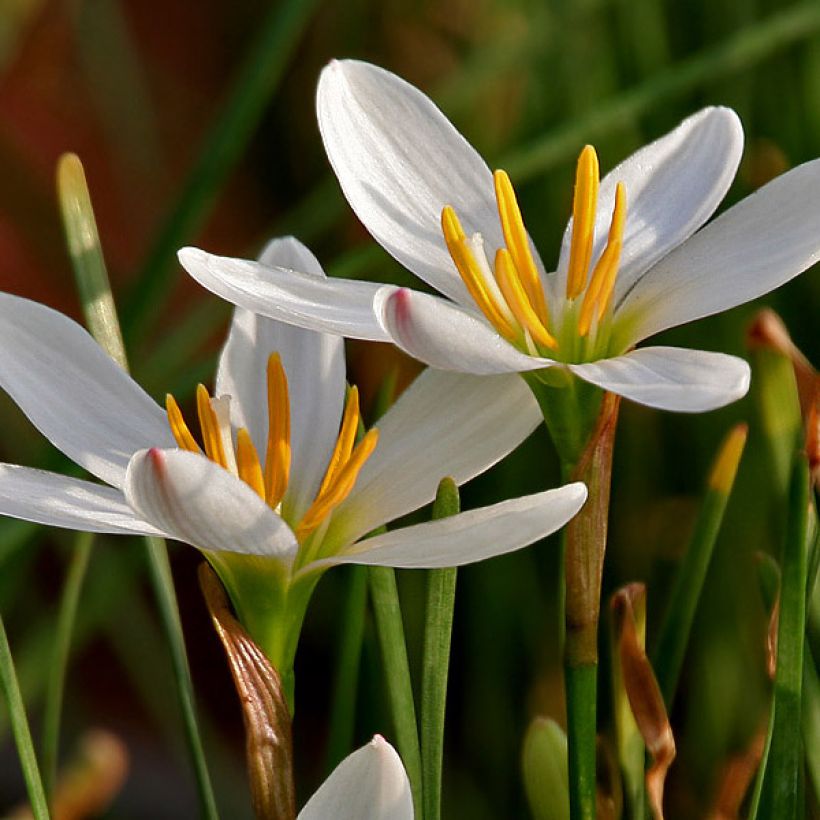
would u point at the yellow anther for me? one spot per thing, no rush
(247, 462)
(584, 206)
(340, 487)
(178, 426)
(277, 458)
(602, 282)
(209, 424)
(511, 286)
(472, 275)
(345, 441)
(518, 244)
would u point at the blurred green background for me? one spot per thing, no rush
(195, 123)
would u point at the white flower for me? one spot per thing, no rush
(281, 492)
(370, 784)
(635, 259)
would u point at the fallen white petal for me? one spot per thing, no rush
(62, 501)
(341, 306)
(73, 392)
(196, 501)
(671, 378)
(756, 246)
(470, 536)
(315, 367)
(369, 784)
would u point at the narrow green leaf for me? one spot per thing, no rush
(20, 729)
(811, 721)
(438, 629)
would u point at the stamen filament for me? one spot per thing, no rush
(518, 244)
(344, 444)
(209, 425)
(584, 207)
(247, 462)
(511, 286)
(178, 426)
(277, 458)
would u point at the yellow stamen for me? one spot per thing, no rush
(277, 459)
(511, 286)
(340, 488)
(583, 221)
(602, 282)
(345, 442)
(472, 275)
(247, 462)
(209, 425)
(178, 426)
(518, 244)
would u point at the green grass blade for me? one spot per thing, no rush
(258, 79)
(390, 629)
(20, 729)
(438, 628)
(62, 647)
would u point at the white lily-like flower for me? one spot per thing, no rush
(636, 258)
(370, 784)
(269, 525)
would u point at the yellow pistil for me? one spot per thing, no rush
(512, 288)
(518, 245)
(247, 462)
(472, 275)
(178, 426)
(277, 459)
(584, 207)
(209, 424)
(602, 282)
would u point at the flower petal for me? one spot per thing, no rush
(197, 501)
(73, 392)
(471, 536)
(673, 185)
(341, 306)
(61, 501)
(671, 378)
(399, 161)
(315, 367)
(760, 243)
(444, 424)
(446, 336)
(369, 784)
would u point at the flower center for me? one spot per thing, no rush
(270, 481)
(510, 293)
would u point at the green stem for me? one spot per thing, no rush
(20, 729)
(582, 692)
(59, 661)
(390, 629)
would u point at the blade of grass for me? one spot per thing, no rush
(257, 81)
(20, 729)
(63, 632)
(438, 629)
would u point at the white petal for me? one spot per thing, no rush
(471, 536)
(62, 501)
(671, 378)
(760, 243)
(444, 424)
(196, 501)
(315, 367)
(341, 306)
(400, 161)
(369, 784)
(73, 392)
(446, 336)
(673, 185)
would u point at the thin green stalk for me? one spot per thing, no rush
(343, 705)
(20, 729)
(390, 630)
(258, 79)
(438, 629)
(59, 661)
(581, 683)
(673, 637)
